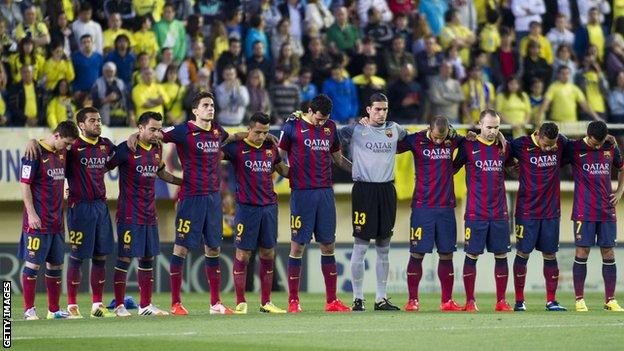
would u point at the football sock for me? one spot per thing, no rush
(119, 281)
(29, 285)
(382, 269)
(53, 285)
(329, 269)
(446, 276)
(501, 272)
(294, 276)
(266, 280)
(175, 269)
(609, 274)
(357, 267)
(414, 273)
(579, 272)
(239, 272)
(74, 276)
(551, 276)
(470, 276)
(213, 273)
(519, 272)
(98, 278)
(145, 276)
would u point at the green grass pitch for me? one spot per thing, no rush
(316, 330)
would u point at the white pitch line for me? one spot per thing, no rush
(102, 336)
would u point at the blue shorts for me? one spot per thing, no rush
(199, 218)
(601, 234)
(255, 226)
(433, 225)
(137, 240)
(39, 248)
(90, 230)
(493, 235)
(539, 234)
(313, 211)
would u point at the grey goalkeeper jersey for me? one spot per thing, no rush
(372, 150)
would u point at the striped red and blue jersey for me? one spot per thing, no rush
(137, 173)
(253, 167)
(539, 191)
(485, 179)
(199, 151)
(86, 167)
(591, 169)
(46, 177)
(433, 165)
(309, 151)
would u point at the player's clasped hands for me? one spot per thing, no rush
(34, 222)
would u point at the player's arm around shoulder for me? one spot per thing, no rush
(341, 161)
(119, 156)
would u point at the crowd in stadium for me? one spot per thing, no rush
(430, 57)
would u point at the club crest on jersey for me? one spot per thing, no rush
(103, 148)
(607, 154)
(216, 132)
(327, 130)
(31, 253)
(61, 157)
(157, 156)
(389, 133)
(269, 153)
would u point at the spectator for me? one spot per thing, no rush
(364, 11)
(163, 65)
(560, 34)
(85, 25)
(193, 33)
(232, 98)
(123, 59)
(514, 106)
(594, 85)
(57, 67)
(61, 107)
(255, 34)
(535, 66)
(7, 44)
(402, 7)
(294, 11)
(405, 97)
(433, 11)
(380, 31)
(36, 30)
(259, 61)
(111, 96)
(217, 41)
(288, 60)
(452, 56)
(591, 34)
(420, 34)
(536, 98)
(203, 84)
(232, 57)
(61, 32)
(428, 61)
(282, 36)
(142, 63)
(145, 39)
(190, 67)
(401, 28)
(525, 12)
(11, 12)
(317, 15)
(318, 60)
(368, 83)
(616, 104)
(479, 95)
(342, 92)
(562, 98)
(445, 94)
(258, 95)
(368, 53)
(284, 96)
(114, 31)
(233, 21)
(467, 13)
(505, 62)
(170, 33)
(535, 34)
(149, 95)
(584, 7)
(25, 100)
(614, 63)
(153, 8)
(342, 35)
(26, 55)
(396, 58)
(454, 33)
(565, 57)
(308, 90)
(123, 7)
(489, 37)
(174, 109)
(4, 83)
(269, 11)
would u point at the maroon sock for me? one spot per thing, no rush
(446, 276)
(98, 278)
(579, 272)
(213, 274)
(266, 280)
(73, 280)
(145, 276)
(470, 276)
(240, 279)
(551, 276)
(609, 274)
(175, 276)
(519, 272)
(501, 273)
(53, 285)
(29, 285)
(414, 273)
(119, 281)
(330, 273)
(294, 277)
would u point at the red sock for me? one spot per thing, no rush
(213, 274)
(519, 271)
(98, 278)
(470, 276)
(119, 281)
(330, 273)
(29, 285)
(501, 273)
(446, 276)
(240, 279)
(145, 275)
(414, 273)
(53, 285)
(294, 276)
(175, 276)
(266, 280)
(73, 280)
(551, 276)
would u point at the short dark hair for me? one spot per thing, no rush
(259, 117)
(597, 130)
(561, 68)
(67, 129)
(488, 111)
(146, 116)
(82, 114)
(199, 96)
(255, 21)
(121, 37)
(85, 6)
(439, 122)
(491, 16)
(549, 130)
(321, 103)
(377, 97)
(85, 36)
(234, 39)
